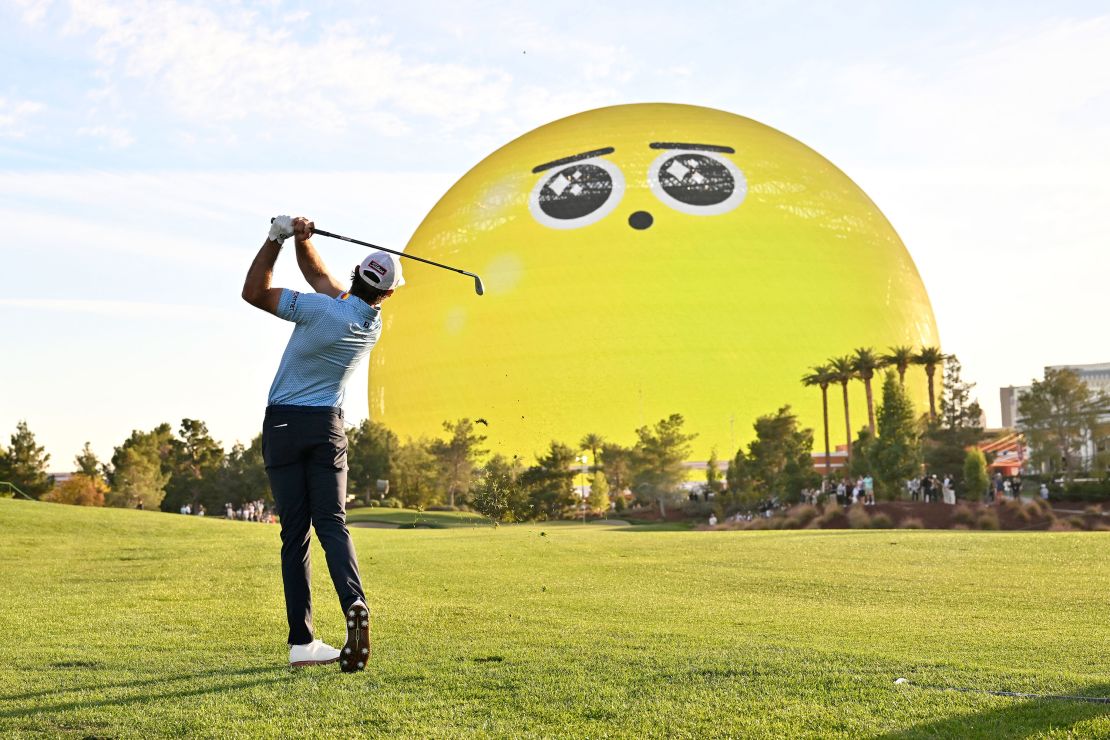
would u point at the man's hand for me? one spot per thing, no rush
(281, 228)
(303, 228)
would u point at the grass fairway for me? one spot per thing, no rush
(140, 624)
(414, 518)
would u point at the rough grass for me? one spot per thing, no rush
(138, 624)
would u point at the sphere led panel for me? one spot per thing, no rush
(642, 260)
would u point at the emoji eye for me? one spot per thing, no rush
(577, 194)
(699, 183)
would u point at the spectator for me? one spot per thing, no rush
(712, 520)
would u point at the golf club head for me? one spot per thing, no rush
(478, 287)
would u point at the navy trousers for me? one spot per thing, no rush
(305, 450)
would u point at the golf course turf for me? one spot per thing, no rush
(119, 623)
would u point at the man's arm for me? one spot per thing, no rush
(256, 288)
(308, 259)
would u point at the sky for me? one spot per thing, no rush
(145, 145)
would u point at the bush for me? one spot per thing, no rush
(1093, 510)
(442, 507)
(912, 523)
(1077, 522)
(858, 518)
(963, 514)
(392, 503)
(1059, 526)
(375, 502)
(803, 514)
(881, 521)
(987, 520)
(1088, 490)
(698, 509)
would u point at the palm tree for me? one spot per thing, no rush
(593, 443)
(865, 362)
(930, 357)
(900, 358)
(844, 372)
(822, 376)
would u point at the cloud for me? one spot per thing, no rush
(220, 67)
(14, 115)
(117, 138)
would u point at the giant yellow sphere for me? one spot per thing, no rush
(643, 260)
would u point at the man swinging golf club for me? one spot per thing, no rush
(304, 444)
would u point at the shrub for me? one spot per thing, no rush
(1093, 510)
(1077, 522)
(858, 518)
(960, 526)
(392, 503)
(442, 507)
(1059, 526)
(881, 521)
(963, 514)
(803, 514)
(912, 523)
(987, 520)
(1100, 527)
(375, 502)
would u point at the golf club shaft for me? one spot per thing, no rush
(478, 287)
(321, 232)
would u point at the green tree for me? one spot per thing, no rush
(415, 477)
(141, 468)
(88, 463)
(930, 358)
(659, 461)
(900, 358)
(550, 482)
(24, 463)
(370, 449)
(499, 493)
(195, 462)
(713, 482)
(616, 461)
(779, 461)
(457, 457)
(975, 475)
(243, 477)
(958, 426)
(843, 372)
(1059, 415)
(593, 443)
(896, 453)
(822, 376)
(599, 492)
(865, 362)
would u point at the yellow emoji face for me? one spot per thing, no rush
(639, 261)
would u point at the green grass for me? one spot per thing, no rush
(412, 517)
(119, 623)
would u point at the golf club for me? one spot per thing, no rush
(478, 287)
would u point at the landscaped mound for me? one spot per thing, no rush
(1012, 515)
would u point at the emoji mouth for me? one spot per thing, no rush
(640, 220)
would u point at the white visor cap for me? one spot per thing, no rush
(381, 270)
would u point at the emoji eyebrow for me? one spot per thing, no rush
(575, 158)
(692, 147)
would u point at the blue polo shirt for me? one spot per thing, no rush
(330, 338)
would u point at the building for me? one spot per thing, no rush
(1096, 376)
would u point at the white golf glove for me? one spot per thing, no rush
(281, 229)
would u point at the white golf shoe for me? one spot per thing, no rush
(316, 652)
(356, 651)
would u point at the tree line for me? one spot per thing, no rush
(164, 468)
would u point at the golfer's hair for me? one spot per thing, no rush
(361, 289)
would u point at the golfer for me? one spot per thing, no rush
(304, 444)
